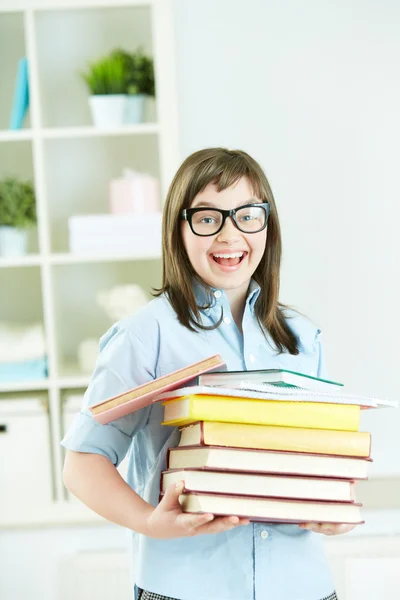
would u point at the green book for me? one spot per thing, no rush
(277, 377)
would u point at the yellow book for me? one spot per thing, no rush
(315, 415)
(264, 437)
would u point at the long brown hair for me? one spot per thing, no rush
(223, 168)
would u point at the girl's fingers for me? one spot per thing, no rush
(220, 524)
(327, 528)
(170, 500)
(195, 521)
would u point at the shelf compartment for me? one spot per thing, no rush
(79, 317)
(12, 48)
(17, 311)
(79, 172)
(22, 302)
(16, 161)
(95, 32)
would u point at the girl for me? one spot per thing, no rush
(221, 261)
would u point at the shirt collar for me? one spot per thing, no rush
(218, 296)
(252, 294)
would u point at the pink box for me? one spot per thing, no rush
(136, 194)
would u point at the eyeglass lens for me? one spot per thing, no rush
(249, 219)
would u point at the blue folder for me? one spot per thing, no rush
(21, 95)
(24, 371)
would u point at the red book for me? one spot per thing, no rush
(245, 483)
(271, 510)
(219, 458)
(141, 396)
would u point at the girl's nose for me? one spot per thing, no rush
(229, 231)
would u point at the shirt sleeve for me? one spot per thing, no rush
(123, 363)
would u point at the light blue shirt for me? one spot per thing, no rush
(253, 562)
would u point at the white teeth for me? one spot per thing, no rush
(233, 255)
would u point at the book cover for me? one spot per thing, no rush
(267, 461)
(276, 377)
(270, 392)
(143, 395)
(271, 509)
(322, 415)
(264, 437)
(21, 95)
(260, 484)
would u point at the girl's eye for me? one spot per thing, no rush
(248, 217)
(205, 219)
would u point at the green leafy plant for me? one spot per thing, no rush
(108, 75)
(139, 70)
(17, 203)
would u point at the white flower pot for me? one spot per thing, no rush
(134, 112)
(108, 110)
(13, 241)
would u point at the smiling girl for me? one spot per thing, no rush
(220, 294)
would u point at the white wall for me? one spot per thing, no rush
(311, 89)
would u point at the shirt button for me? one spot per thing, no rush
(264, 534)
(217, 294)
(227, 320)
(252, 357)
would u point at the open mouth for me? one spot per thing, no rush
(229, 259)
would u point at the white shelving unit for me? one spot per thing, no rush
(70, 163)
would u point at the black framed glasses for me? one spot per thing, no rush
(250, 218)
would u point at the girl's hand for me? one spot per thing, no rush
(168, 520)
(327, 528)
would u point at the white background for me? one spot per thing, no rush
(311, 89)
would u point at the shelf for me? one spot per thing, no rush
(78, 132)
(24, 386)
(70, 259)
(90, 131)
(71, 163)
(77, 381)
(66, 258)
(8, 6)
(16, 136)
(29, 260)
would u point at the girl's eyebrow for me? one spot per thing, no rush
(207, 204)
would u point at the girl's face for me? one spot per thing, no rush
(231, 274)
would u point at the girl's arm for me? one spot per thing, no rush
(96, 482)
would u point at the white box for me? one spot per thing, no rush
(25, 457)
(108, 226)
(132, 234)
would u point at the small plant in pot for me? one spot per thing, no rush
(17, 215)
(107, 82)
(139, 83)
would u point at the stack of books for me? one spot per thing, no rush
(259, 444)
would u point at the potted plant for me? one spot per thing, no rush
(17, 215)
(107, 81)
(139, 83)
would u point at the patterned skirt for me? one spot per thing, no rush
(143, 595)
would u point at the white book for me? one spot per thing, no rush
(271, 392)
